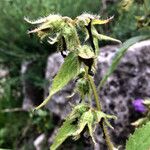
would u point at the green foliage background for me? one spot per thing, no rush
(16, 47)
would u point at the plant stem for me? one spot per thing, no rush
(99, 107)
(107, 137)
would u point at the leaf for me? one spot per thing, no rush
(69, 127)
(119, 55)
(140, 140)
(69, 69)
(64, 132)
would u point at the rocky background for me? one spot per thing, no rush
(131, 80)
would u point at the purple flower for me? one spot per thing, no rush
(138, 105)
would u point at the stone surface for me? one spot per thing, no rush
(131, 80)
(33, 95)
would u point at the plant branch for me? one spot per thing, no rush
(10, 110)
(107, 137)
(99, 107)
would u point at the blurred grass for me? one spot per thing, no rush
(18, 129)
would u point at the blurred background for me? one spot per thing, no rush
(18, 126)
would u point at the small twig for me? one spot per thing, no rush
(12, 110)
(106, 136)
(99, 107)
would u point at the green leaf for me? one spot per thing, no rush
(140, 140)
(119, 55)
(64, 132)
(69, 127)
(69, 69)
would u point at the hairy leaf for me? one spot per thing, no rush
(69, 127)
(64, 132)
(119, 55)
(99, 115)
(140, 140)
(67, 72)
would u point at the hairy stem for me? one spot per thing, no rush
(107, 137)
(92, 84)
(99, 107)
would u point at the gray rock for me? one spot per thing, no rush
(33, 95)
(131, 80)
(39, 141)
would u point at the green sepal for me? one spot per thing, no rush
(85, 52)
(140, 122)
(86, 119)
(78, 110)
(83, 87)
(103, 37)
(100, 21)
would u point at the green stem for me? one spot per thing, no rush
(107, 137)
(99, 107)
(93, 89)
